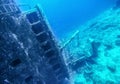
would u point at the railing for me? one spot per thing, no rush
(8, 7)
(69, 48)
(79, 51)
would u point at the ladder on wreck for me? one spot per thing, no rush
(8, 7)
(48, 44)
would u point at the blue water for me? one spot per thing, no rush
(65, 16)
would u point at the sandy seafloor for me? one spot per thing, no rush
(98, 47)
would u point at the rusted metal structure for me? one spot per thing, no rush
(29, 53)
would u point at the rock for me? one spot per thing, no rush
(117, 43)
(108, 47)
(118, 36)
(95, 46)
(111, 68)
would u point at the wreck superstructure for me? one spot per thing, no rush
(29, 53)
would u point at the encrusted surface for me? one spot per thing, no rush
(94, 52)
(21, 58)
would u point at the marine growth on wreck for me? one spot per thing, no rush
(31, 53)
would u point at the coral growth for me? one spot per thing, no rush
(98, 57)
